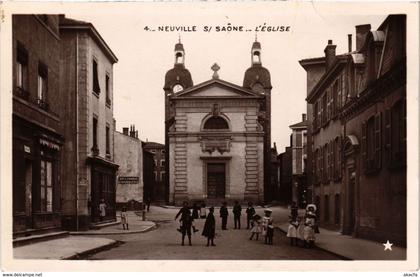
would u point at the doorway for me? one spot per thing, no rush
(28, 194)
(216, 180)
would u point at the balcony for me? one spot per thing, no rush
(22, 93)
(43, 104)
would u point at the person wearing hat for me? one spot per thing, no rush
(268, 227)
(250, 212)
(209, 229)
(224, 215)
(309, 229)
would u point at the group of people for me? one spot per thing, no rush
(257, 224)
(302, 228)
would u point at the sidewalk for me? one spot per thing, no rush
(135, 225)
(63, 249)
(347, 246)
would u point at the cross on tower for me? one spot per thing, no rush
(215, 67)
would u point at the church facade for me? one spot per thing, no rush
(217, 134)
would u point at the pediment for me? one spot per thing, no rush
(216, 88)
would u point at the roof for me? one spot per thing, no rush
(68, 24)
(243, 92)
(302, 124)
(151, 144)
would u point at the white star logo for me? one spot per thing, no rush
(387, 245)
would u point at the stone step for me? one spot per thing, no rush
(38, 238)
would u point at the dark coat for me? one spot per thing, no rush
(195, 212)
(209, 226)
(223, 212)
(237, 209)
(250, 211)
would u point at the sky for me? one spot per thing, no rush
(145, 56)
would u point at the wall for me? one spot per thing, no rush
(129, 157)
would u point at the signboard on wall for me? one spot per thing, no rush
(128, 179)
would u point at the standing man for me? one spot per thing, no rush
(148, 203)
(224, 215)
(237, 209)
(186, 222)
(250, 211)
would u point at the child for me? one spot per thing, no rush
(102, 209)
(292, 230)
(124, 219)
(256, 227)
(209, 229)
(250, 211)
(268, 228)
(309, 229)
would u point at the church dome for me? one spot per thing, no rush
(257, 74)
(178, 75)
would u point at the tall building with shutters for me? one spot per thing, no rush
(86, 80)
(218, 134)
(357, 133)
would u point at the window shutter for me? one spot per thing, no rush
(387, 136)
(364, 145)
(339, 157)
(377, 142)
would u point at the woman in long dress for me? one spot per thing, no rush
(209, 229)
(309, 229)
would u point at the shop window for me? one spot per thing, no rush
(46, 186)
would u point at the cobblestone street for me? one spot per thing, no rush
(165, 243)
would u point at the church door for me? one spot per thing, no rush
(216, 176)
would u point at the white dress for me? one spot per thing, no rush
(308, 230)
(292, 231)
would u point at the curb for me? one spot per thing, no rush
(147, 229)
(78, 256)
(321, 248)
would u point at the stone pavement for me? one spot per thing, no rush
(135, 225)
(345, 246)
(63, 248)
(76, 245)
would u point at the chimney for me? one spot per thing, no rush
(304, 117)
(137, 134)
(350, 42)
(133, 131)
(125, 131)
(329, 54)
(361, 33)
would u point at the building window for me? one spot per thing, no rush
(156, 176)
(216, 123)
(46, 186)
(42, 86)
(324, 110)
(337, 158)
(153, 151)
(155, 162)
(162, 151)
(162, 176)
(95, 79)
(22, 71)
(107, 90)
(108, 152)
(162, 162)
(371, 144)
(315, 116)
(298, 139)
(396, 133)
(95, 149)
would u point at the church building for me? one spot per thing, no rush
(217, 134)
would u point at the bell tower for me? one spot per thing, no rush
(257, 78)
(176, 79)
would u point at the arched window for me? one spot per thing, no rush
(215, 123)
